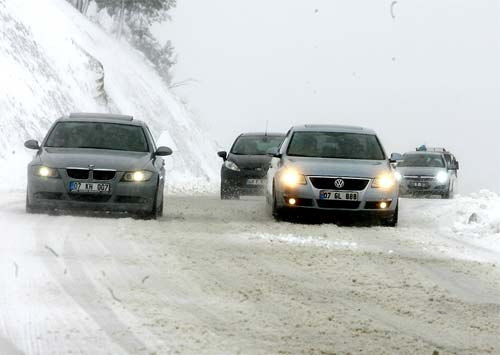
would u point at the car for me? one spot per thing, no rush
(335, 170)
(97, 162)
(245, 166)
(428, 172)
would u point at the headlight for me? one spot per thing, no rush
(292, 178)
(398, 176)
(137, 176)
(442, 177)
(44, 171)
(385, 181)
(231, 166)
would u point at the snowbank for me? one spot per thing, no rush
(471, 221)
(52, 61)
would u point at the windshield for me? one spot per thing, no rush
(422, 160)
(97, 135)
(336, 145)
(255, 145)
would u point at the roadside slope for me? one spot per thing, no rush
(53, 61)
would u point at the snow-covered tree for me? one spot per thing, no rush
(81, 5)
(138, 16)
(149, 11)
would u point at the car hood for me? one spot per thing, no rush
(250, 161)
(101, 159)
(419, 171)
(338, 167)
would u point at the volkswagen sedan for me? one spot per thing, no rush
(333, 169)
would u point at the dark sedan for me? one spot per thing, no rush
(245, 167)
(97, 162)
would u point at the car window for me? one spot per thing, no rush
(97, 135)
(255, 145)
(151, 139)
(336, 145)
(448, 159)
(422, 160)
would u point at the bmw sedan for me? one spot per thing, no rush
(333, 169)
(97, 162)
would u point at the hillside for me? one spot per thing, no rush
(55, 61)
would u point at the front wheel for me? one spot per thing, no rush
(448, 194)
(278, 213)
(157, 210)
(29, 208)
(393, 220)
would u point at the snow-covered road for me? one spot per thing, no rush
(221, 277)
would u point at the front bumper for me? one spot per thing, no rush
(53, 193)
(423, 186)
(370, 200)
(240, 181)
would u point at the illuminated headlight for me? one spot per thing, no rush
(442, 177)
(398, 176)
(385, 181)
(137, 176)
(292, 178)
(44, 171)
(231, 166)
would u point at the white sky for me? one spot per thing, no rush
(429, 76)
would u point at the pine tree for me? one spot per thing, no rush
(151, 10)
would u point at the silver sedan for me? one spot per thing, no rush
(336, 169)
(97, 162)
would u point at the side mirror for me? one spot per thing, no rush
(274, 152)
(457, 165)
(32, 144)
(395, 157)
(223, 155)
(163, 151)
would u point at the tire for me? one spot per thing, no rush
(448, 194)
(156, 211)
(29, 208)
(159, 212)
(393, 220)
(277, 213)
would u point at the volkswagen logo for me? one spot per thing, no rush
(339, 183)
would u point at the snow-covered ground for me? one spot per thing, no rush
(52, 60)
(221, 277)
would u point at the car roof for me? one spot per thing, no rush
(262, 134)
(332, 128)
(423, 153)
(101, 117)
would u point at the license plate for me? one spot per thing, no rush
(87, 187)
(340, 196)
(256, 182)
(420, 184)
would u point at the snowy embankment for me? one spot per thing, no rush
(53, 62)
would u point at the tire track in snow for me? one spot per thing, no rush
(174, 296)
(7, 348)
(92, 301)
